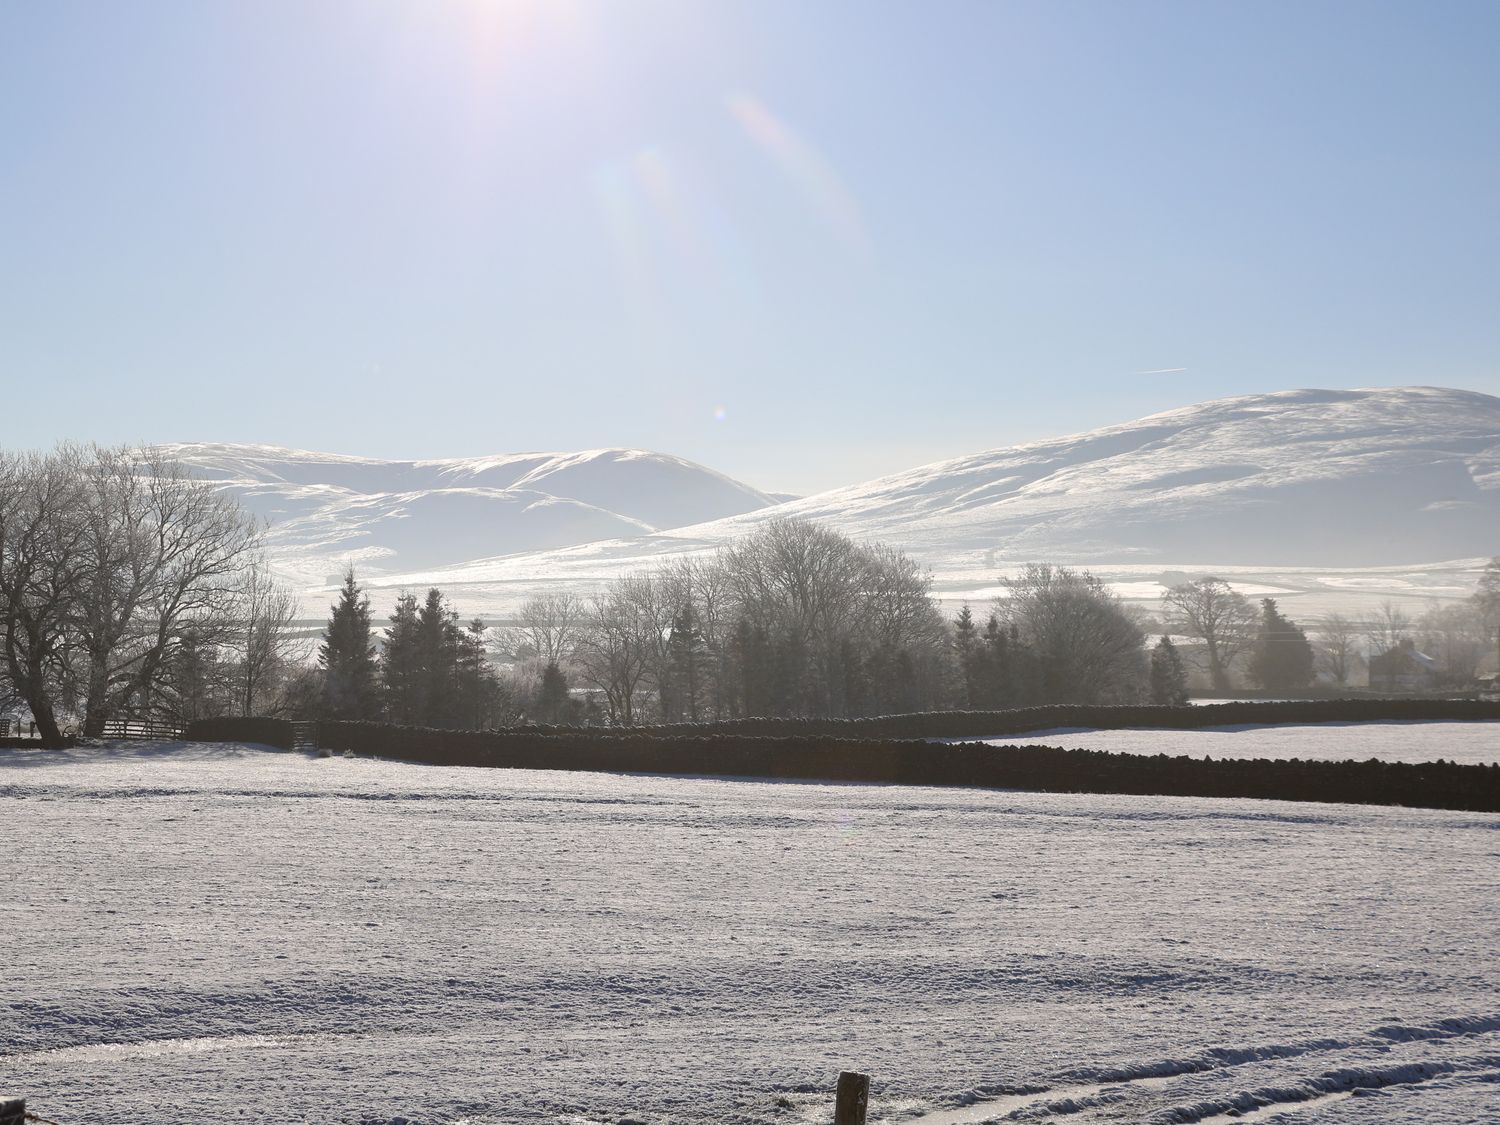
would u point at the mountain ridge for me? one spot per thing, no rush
(1314, 454)
(1314, 479)
(1332, 480)
(327, 508)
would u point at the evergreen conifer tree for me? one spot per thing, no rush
(856, 680)
(965, 647)
(789, 676)
(999, 675)
(193, 675)
(1168, 676)
(900, 695)
(752, 665)
(347, 656)
(689, 662)
(554, 704)
(1283, 658)
(479, 694)
(400, 664)
(437, 647)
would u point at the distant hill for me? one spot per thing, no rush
(325, 508)
(1309, 478)
(1277, 483)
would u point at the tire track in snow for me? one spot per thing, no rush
(1257, 1105)
(994, 1104)
(147, 1048)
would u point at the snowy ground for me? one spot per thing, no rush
(1469, 743)
(208, 934)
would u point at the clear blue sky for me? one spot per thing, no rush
(802, 242)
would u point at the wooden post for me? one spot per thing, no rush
(853, 1099)
(12, 1111)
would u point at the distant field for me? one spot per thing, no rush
(1467, 742)
(192, 931)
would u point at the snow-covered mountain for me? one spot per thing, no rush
(1322, 478)
(1263, 485)
(1391, 478)
(326, 508)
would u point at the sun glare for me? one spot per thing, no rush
(807, 168)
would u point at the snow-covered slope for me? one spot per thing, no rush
(1282, 484)
(1305, 491)
(324, 508)
(1322, 478)
(1305, 477)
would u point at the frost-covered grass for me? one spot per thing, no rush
(194, 931)
(1465, 742)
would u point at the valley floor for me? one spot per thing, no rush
(217, 933)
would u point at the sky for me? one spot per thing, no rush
(802, 243)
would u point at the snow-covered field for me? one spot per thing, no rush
(207, 934)
(1465, 742)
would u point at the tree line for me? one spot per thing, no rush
(796, 620)
(1262, 648)
(793, 619)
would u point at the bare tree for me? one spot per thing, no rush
(810, 591)
(1486, 594)
(686, 608)
(899, 610)
(165, 555)
(1337, 647)
(797, 577)
(1486, 599)
(266, 643)
(1210, 609)
(1456, 636)
(816, 622)
(550, 624)
(714, 608)
(654, 600)
(1090, 649)
(1388, 628)
(113, 564)
(611, 653)
(42, 568)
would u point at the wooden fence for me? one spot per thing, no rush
(143, 729)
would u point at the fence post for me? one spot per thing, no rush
(12, 1111)
(852, 1100)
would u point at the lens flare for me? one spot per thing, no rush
(663, 186)
(804, 165)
